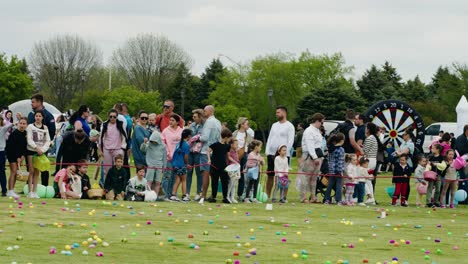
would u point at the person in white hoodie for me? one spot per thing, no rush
(38, 143)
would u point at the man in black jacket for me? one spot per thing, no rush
(75, 146)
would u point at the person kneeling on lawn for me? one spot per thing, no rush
(136, 186)
(116, 180)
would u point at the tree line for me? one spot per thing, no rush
(149, 68)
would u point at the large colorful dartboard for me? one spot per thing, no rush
(395, 116)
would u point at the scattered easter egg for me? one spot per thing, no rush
(84, 253)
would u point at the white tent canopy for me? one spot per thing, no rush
(24, 107)
(462, 114)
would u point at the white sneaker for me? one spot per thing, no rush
(36, 195)
(197, 197)
(30, 195)
(13, 194)
(370, 201)
(186, 198)
(234, 201)
(202, 201)
(254, 200)
(247, 200)
(174, 198)
(362, 204)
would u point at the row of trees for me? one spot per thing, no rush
(150, 68)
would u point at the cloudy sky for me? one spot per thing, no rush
(415, 36)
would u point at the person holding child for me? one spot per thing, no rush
(116, 180)
(136, 186)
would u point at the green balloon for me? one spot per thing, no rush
(26, 189)
(41, 190)
(50, 192)
(263, 197)
(259, 192)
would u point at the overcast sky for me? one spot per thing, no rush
(415, 36)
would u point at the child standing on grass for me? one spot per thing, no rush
(16, 152)
(136, 186)
(435, 159)
(233, 158)
(82, 168)
(3, 136)
(401, 177)
(179, 165)
(419, 179)
(218, 157)
(254, 162)
(336, 166)
(116, 180)
(62, 183)
(350, 177)
(363, 177)
(450, 180)
(281, 174)
(156, 159)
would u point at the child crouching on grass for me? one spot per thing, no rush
(136, 186)
(82, 168)
(116, 180)
(63, 181)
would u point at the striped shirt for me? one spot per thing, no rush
(371, 147)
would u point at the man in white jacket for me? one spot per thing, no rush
(312, 156)
(281, 133)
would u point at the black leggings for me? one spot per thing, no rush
(215, 176)
(252, 184)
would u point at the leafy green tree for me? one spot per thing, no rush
(332, 100)
(209, 81)
(182, 86)
(15, 83)
(135, 99)
(414, 91)
(447, 88)
(371, 85)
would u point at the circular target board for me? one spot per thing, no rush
(395, 116)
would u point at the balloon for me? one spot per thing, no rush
(259, 192)
(26, 189)
(460, 195)
(390, 191)
(41, 191)
(263, 197)
(50, 192)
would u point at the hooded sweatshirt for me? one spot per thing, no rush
(155, 149)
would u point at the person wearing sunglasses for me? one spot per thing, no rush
(163, 120)
(113, 140)
(140, 133)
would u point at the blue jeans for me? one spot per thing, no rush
(360, 191)
(334, 183)
(168, 180)
(3, 180)
(194, 159)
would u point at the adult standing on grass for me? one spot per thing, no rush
(312, 158)
(79, 119)
(461, 145)
(37, 104)
(140, 133)
(38, 143)
(171, 137)
(281, 133)
(196, 127)
(113, 141)
(75, 146)
(163, 120)
(127, 117)
(211, 134)
(243, 141)
(360, 134)
(347, 128)
(16, 150)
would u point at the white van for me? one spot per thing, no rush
(432, 132)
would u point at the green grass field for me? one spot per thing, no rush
(278, 236)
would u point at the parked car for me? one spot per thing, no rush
(432, 132)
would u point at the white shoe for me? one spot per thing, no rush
(186, 198)
(36, 195)
(202, 201)
(30, 195)
(254, 200)
(197, 197)
(12, 194)
(234, 201)
(370, 201)
(362, 204)
(247, 200)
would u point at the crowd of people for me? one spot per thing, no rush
(169, 153)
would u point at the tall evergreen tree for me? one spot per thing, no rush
(209, 81)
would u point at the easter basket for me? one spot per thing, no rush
(95, 192)
(22, 176)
